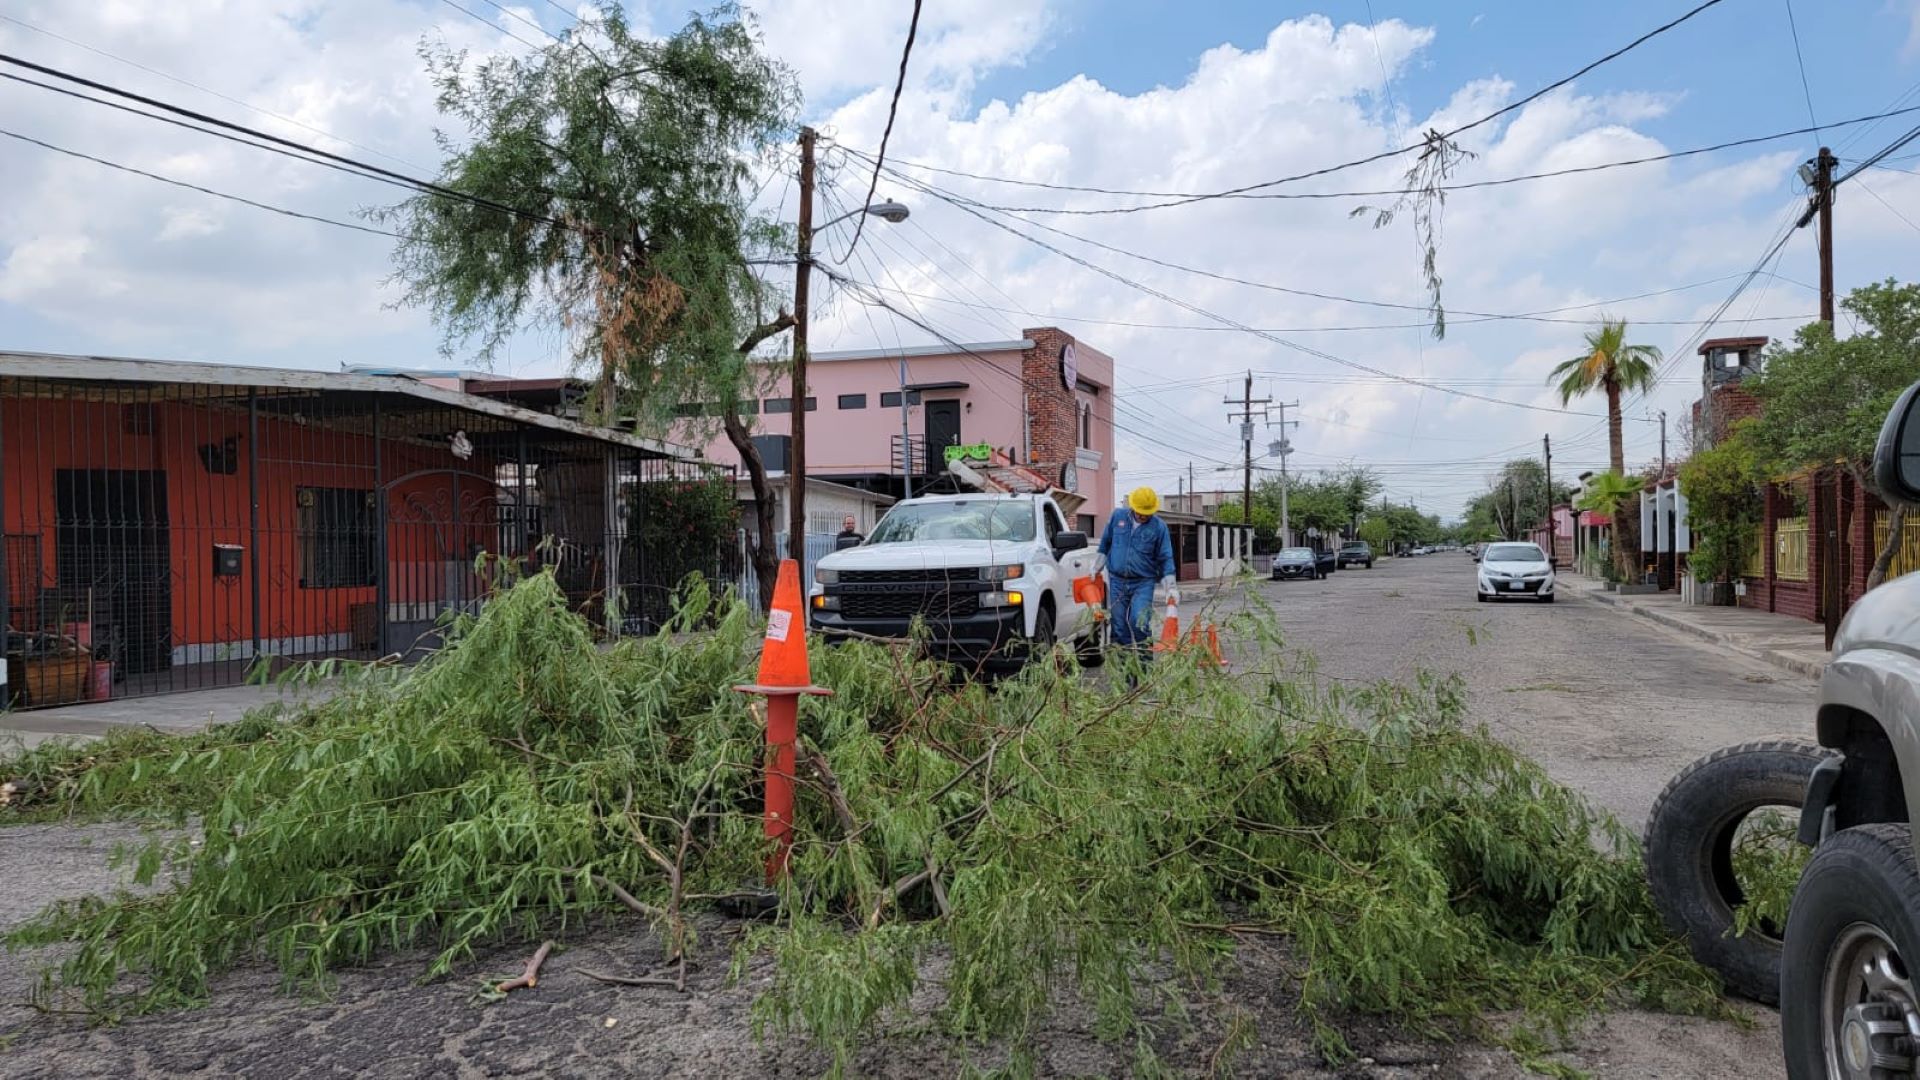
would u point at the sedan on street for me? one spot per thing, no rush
(1513, 570)
(1301, 562)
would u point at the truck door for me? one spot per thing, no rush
(1076, 564)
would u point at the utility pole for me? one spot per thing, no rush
(1663, 442)
(1513, 490)
(803, 273)
(1282, 449)
(1820, 178)
(1245, 415)
(1553, 527)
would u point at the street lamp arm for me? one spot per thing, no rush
(893, 212)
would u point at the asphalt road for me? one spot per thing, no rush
(1610, 704)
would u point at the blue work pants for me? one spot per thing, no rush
(1130, 605)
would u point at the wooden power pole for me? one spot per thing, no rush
(797, 449)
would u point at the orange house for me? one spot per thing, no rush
(167, 524)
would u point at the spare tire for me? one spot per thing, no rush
(1689, 854)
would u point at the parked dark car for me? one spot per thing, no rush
(1355, 553)
(1300, 562)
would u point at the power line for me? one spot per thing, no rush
(521, 19)
(489, 23)
(1181, 198)
(893, 107)
(1204, 313)
(202, 118)
(200, 189)
(969, 206)
(206, 90)
(1731, 144)
(1801, 59)
(1890, 207)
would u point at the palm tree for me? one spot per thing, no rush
(1611, 365)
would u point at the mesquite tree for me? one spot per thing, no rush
(628, 165)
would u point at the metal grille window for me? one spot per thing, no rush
(853, 401)
(891, 399)
(785, 404)
(336, 537)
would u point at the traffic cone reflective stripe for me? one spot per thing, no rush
(1170, 630)
(783, 677)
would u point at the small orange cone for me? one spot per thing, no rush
(784, 677)
(1170, 630)
(1206, 640)
(1090, 590)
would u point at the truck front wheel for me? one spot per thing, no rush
(1848, 1000)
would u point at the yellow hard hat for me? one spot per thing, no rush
(1144, 501)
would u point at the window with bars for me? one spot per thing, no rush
(336, 528)
(891, 399)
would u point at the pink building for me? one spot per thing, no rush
(1045, 400)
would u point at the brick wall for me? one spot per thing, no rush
(1053, 409)
(1801, 599)
(1713, 416)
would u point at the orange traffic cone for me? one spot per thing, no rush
(1207, 641)
(1169, 630)
(783, 678)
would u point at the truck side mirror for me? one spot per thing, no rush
(1896, 457)
(1065, 542)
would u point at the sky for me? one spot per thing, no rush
(1129, 95)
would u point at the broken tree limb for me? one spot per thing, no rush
(900, 888)
(531, 977)
(637, 906)
(836, 795)
(939, 887)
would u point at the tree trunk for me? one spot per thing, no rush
(766, 566)
(1896, 526)
(760, 546)
(1626, 534)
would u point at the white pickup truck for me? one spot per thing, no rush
(991, 574)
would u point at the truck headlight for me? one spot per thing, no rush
(1010, 598)
(1002, 573)
(826, 603)
(824, 576)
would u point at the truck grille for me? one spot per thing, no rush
(932, 604)
(910, 577)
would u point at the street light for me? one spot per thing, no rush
(891, 212)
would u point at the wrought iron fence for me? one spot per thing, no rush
(1907, 559)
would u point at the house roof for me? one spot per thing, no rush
(123, 369)
(778, 480)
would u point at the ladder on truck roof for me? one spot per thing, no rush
(999, 475)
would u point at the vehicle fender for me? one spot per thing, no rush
(1883, 684)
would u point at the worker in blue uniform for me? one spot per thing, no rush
(1137, 551)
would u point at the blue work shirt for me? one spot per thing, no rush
(1137, 549)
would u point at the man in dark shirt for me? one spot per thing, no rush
(848, 536)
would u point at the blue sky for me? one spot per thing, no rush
(1120, 93)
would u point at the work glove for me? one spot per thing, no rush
(1166, 586)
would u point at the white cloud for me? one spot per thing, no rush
(91, 259)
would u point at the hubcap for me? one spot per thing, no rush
(1872, 1019)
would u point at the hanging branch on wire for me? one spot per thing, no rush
(1425, 200)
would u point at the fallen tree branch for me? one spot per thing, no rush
(635, 905)
(900, 888)
(627, 980)
(939, 888)
(531, 977)
(836, 795)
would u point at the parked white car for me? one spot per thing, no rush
(1511, 570)
(991, 575)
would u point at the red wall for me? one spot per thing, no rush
(40, 436)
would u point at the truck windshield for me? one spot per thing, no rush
(962, 519)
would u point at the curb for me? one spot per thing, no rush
(1810, 669)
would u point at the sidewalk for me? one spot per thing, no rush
(180, 713)
(1794, 644)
